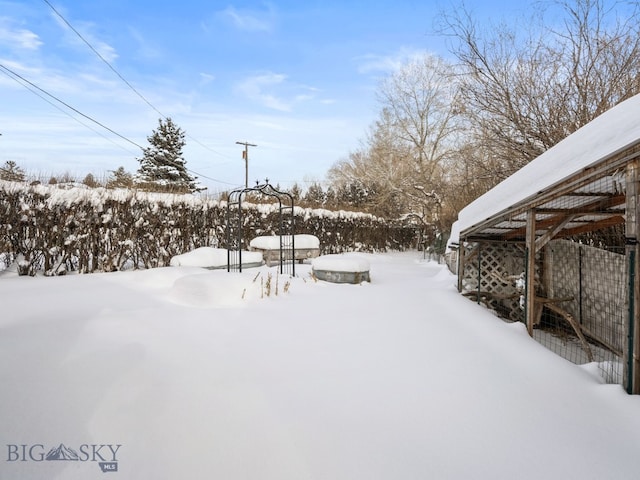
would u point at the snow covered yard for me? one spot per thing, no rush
(201, 374)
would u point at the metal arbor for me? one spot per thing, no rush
(236, 227)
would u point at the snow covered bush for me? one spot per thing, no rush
(56, 230)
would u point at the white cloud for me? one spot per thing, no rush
(303, 97)
(18, 37)
(83, 29)
(206, 78)
(145, 49)
(105, 50)
(257, 88)
(272, 90)
(373, 63)
(251, 21)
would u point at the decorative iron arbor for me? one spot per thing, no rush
(236, 227)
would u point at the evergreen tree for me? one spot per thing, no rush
(120, 178)
(162, 166)
(315, 196)
(12, 172)
(296, 192)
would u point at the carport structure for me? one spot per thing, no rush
(556, 245)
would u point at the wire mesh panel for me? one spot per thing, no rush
(581, 296)
(582, 237)
(586, 321)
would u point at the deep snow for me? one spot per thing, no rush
(204, 374)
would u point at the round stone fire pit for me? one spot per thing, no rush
(341, 269)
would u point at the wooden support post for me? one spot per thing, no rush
(479, 278)
(631, 358)
(461, 263)
(530, 287)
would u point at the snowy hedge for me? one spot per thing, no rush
(55, 229)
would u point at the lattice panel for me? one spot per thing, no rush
(597, 281)
(585, 285)
(500, 267)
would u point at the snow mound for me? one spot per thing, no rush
(205, 290)
(220, 289)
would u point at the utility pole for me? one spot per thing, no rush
(245, 155)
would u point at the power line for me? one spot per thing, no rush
(12, 74)
(102, 58)
(17, 75)
(113, 69)
(57, 107)
(26, 82)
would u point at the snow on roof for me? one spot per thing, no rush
(613, 131)
(454, 236)
(273, 242)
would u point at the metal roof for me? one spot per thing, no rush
(587, 201)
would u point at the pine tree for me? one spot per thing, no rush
(296, 192)
(315, 196)
(162, 166)
(12, 172)
(120, 178)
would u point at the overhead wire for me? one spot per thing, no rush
(9, 73)
(119, 75)
(17, 75)
(35, 89)
(95, 51)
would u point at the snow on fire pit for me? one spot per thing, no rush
(341, 269)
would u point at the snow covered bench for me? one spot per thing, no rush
(305, 247)
(341, 269)
(213, 258)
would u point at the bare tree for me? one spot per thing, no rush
(525, 89)
(407, 150)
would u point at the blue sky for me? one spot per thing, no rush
(297, 78)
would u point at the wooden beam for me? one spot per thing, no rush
(594, 207)
(577, 211)
(592, 226)
(530, 286)
(552, 232)
(574, 324)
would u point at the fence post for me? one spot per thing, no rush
(631, 358)
(530, 269)
(479, 271)
(461, 264)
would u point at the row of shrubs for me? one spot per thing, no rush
(54, 230)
